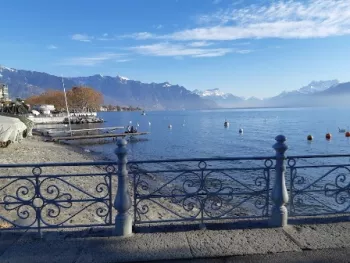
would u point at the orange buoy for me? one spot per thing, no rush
(309, 137)
(328, 136)
(347, 134)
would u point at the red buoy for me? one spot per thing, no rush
(328, 136)
(347, 134)
(309, 137)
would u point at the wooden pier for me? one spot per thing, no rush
(98, 136)
(61, 132)
(106, 129)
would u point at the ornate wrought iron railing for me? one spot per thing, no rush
(318, 184)
(31, 196)
(36, 196)
(201, 189)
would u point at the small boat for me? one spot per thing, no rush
(226, 123)
(143, 113)
(341, 130)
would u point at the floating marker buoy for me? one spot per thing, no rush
(226, 124)
(309, 137)
(149, 123)
(328, 136)
(347, 134)
(170, 126)
(240, 130)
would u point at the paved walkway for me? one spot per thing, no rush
(341, 255)
(294, 242)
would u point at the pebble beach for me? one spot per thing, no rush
(35, 150)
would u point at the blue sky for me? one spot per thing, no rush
(248, 48)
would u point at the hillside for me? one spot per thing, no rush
(116, 90)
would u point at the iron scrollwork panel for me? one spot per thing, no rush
(200, 194)
(320, 189)
(54, 201)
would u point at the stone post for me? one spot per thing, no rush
(279, 215)
(122, 201)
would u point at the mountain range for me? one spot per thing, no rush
(116, 90)
(165, 96)
(316, 93)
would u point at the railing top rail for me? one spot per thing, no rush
(204, 159)
(25, 165)
(134, 162)
(317, 156)
(96, 163)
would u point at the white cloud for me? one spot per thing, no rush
(140, 35)
(166, 49)
(105, 37)
(281, 19)
(90, 60)
(288, 19)
(241, 43)
(122, 60)
(215, 2)
(243, 51)
(82, 37)
(51, 47)
(158, 26)
(200, 44)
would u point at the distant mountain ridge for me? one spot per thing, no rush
(165, 96)
(116, 90)
(312, 88)
(316, 93)
(221, 98)
(318, 86)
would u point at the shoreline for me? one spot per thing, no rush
(35, 150)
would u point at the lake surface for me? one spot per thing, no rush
(202, 133)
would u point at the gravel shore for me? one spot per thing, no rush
(57, 185)
(33, 151)
(36, 150)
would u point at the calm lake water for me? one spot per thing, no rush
(202, 133)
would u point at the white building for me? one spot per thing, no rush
(4, 92)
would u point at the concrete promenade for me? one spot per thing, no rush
(293, 242)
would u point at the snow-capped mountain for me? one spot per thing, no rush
(216, 94)
(211, 93)
(317, 86)
(3, 68)
(116, 90)
(317, 93)
(123, 91)
(122, 79)
(223, 99)
(166, 85)
(312, 88)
